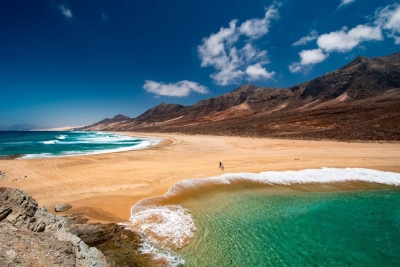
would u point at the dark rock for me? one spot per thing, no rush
(62, 207)
(30, 236)
(4, 211)
(120, 246)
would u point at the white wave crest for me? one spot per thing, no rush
(170, 226)
(37, 156)
(62, 137)
(104, 138)
(161, 254)
(323, 175)
(51, 142)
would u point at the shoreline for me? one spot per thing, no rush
(106, 186)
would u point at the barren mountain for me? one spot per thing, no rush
(360, 101)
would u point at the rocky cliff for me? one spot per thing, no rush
(30, 236)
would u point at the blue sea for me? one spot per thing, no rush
(45, 144)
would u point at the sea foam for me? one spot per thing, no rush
(169, 226)
(165, 228)
(157, 253)
(323, 175)
(50, 142)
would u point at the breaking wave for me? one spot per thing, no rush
(51, 142)
(62, 137)
(166, 228)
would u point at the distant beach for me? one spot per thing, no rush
(106, 186)
(48, 144)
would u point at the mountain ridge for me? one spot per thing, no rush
(359, 101)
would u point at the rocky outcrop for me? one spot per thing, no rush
(62, 207)
(120, 246)
(30, 236)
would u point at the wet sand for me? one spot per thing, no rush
(105, 186)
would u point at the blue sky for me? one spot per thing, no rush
(75, 62)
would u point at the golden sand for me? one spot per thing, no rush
(105, 186)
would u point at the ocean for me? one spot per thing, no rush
(292, 218)
(45, 144)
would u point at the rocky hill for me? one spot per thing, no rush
(360, 101)
(30, 236)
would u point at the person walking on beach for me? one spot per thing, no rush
(221, 166)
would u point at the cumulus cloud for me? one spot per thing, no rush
(256, 28)
(389, 19)
(296, 67)
(344, 41)
(179, 89)
(307, 59)
(306, 39)
(66, 11)
(340, 41)
(346, 2)
(220, 50)
(256, 72)
(313, 56)
(386, 20)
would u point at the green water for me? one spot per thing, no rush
(255, 228)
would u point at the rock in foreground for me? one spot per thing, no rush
(62, 207)
(30, 236)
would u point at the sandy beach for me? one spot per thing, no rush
(105, 186)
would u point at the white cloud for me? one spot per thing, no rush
(389, 19)
(338, 41)
(179, 89)
(66, 11)
(313, 56)
(345, 2)
(344, 41)
(256, 72)
(256, 28)
(386, 20)
(212, 52)
(296, 67)
(306, 39)
(220, 50)
(307, 59)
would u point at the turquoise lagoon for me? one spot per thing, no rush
(304, 218)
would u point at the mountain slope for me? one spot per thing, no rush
(360, 101)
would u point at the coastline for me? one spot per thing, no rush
(105, 186)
